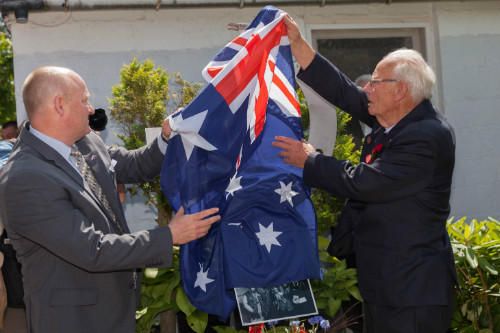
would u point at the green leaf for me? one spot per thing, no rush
(183, 302)
(197, 321)
(140, 313)
(454, 231)
(470, 256)
(150, 273)
(333, 306)
(486, 266)
(354, 291)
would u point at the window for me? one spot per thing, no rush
(357, 51)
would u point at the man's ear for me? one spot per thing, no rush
(59, 105)
(401, 91)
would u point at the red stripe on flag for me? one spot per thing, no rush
(261, 100)
(240, 41)
(258, 50)
(213, 71)
(277, 81)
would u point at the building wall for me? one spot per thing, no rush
(470, 57)
(463, 42)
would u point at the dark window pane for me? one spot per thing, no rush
(357, 56)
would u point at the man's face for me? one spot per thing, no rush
(8, 133)
(79, 107)
(380, 94)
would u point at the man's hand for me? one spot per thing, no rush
(165, 129)
(292, 28)
(301, 50)
(295, 152)
(185, 228)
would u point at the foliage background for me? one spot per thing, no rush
(7, 91)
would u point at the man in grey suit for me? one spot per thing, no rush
(78, 256)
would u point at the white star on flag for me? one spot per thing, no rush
(286, 192)
(234, 185)
(267, 236)
(202, 279)
(188, 129)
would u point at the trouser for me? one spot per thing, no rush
(418, 319)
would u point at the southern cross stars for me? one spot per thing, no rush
(267, 236)
(286, 193)
(189, 128)
(234, 185)
(202, 279)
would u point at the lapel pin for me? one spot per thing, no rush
(369, 139)
(93, 157)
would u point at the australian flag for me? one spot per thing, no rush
(220, 154)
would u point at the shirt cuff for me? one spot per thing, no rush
(162, 144)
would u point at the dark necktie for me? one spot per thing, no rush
(89, 177)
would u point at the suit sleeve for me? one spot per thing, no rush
(55, 214)
(139, 165)
(404, 168)
(331, 84)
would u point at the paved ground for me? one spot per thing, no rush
(14, 321)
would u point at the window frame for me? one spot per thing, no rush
(382, 29)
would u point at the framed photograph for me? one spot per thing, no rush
(261, 305)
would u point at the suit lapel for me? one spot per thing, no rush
(104, 177)
(49, 154)
(95, 164)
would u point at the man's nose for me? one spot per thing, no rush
(367, 88)
(91, 109)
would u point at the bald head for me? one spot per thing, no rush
(56, 102)
(43, 85)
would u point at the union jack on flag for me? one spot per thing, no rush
(220, 154)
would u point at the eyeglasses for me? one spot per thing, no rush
(372, 81)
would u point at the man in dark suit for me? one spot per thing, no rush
(78, 256)
(398, 196)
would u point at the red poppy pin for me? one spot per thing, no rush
(375, 152)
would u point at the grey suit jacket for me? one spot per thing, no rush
(77, 266)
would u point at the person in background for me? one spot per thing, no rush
(398, 195)
(362, 81)
(9, 130)
(59, 203)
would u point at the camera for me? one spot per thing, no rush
(98, 120)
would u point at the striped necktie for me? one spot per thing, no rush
(89, 177)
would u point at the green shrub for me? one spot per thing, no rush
(476, 248)
(144, 97)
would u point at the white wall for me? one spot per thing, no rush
(469, 35)
(463, 45)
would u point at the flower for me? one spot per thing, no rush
(375, 152)
(324, 324)
(256, 328)
(273, 323)
(315, 320)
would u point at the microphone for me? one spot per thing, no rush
(98, 120)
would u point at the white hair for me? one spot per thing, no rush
(410, 67)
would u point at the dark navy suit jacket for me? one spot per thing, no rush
(398, 204)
